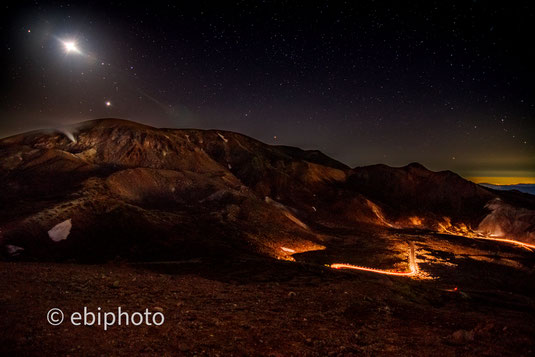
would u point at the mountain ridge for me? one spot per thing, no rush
(224, 188)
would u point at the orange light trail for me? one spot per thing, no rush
(412, 264)
(288, 250)
(510, 241)
(378, 271)
(462, 230)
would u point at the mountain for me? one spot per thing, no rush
(521, 187)
(415, 191)
(112, 188)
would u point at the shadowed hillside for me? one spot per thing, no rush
(125, 189)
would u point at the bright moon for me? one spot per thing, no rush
(70, 46)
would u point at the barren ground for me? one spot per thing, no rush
(255, 307)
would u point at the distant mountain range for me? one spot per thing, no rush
(522, 187)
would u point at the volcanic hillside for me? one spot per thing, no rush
(112, 188)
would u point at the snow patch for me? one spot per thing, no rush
(14, 250)
(60, 231)
(286, 211)
(222, 137)
(216, 196)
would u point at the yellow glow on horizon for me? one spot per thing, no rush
(502, 180)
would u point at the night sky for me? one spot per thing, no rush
(448, 84)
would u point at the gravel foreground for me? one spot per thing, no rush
(254, 308)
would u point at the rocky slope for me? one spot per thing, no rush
(119, 188)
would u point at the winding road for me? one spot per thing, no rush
(412, 266)
(510, 241)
